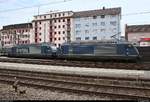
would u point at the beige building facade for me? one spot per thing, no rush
(16, 34)
(136, 33)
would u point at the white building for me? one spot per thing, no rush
(53, 27)
(96, 24)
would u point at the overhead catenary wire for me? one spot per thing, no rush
(136, 13)
(61, 1)
(33, 6)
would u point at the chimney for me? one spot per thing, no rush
(103, 7)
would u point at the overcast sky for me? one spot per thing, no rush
(26, 15)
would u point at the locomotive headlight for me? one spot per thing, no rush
(129, 46)
(127, 51)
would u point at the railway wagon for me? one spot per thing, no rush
(99, 51)
(44, 50)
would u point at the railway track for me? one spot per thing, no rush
(87, 64)
(114, 88)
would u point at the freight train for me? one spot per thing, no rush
(91, 50)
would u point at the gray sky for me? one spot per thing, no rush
(25, 15)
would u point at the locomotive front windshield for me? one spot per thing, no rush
(131, 50)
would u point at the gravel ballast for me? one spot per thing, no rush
(8, 93)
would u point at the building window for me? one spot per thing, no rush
(63, 14)
(64, 20)
(63, 32)
(112, 16)
(55, 15)
(45, 17)
(55, 21)
(55, 39)
(94, 17)
(77, 19)
(51, 16)
(51, 27)
(55, 32)
(26, 42)
(114, 29)
(78, 32)
(103, 30)
(78, 25)
(78, 38)
(95, 38)
(87, 25)
(55, 27)
(102, 16)
(50, 39)
(63, 26)
(68, 20)
(40, 39)
(114, 23)
(59, 20)
(63, 38)
(102, 23)
(59, 26)
(95, 31)
(40, 28)
(86, 31)
(59, 15)
(59, 45)
(40, 34)
(59, 32)
(86, 38)
(59, 38)
(39, 22)
(94, 24)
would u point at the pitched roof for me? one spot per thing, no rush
(138, 28)
(17, 26)
(104, 11)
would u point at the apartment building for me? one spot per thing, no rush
(53, 27)
(16, 34)
(98, 24)
(60, 27)
(138, 34)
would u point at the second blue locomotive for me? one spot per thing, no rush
(43, 50)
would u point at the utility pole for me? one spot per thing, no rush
(38, 9)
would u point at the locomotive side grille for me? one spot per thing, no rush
(105, 50)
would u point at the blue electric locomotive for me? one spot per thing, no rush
(44, 50)
(99, 51)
